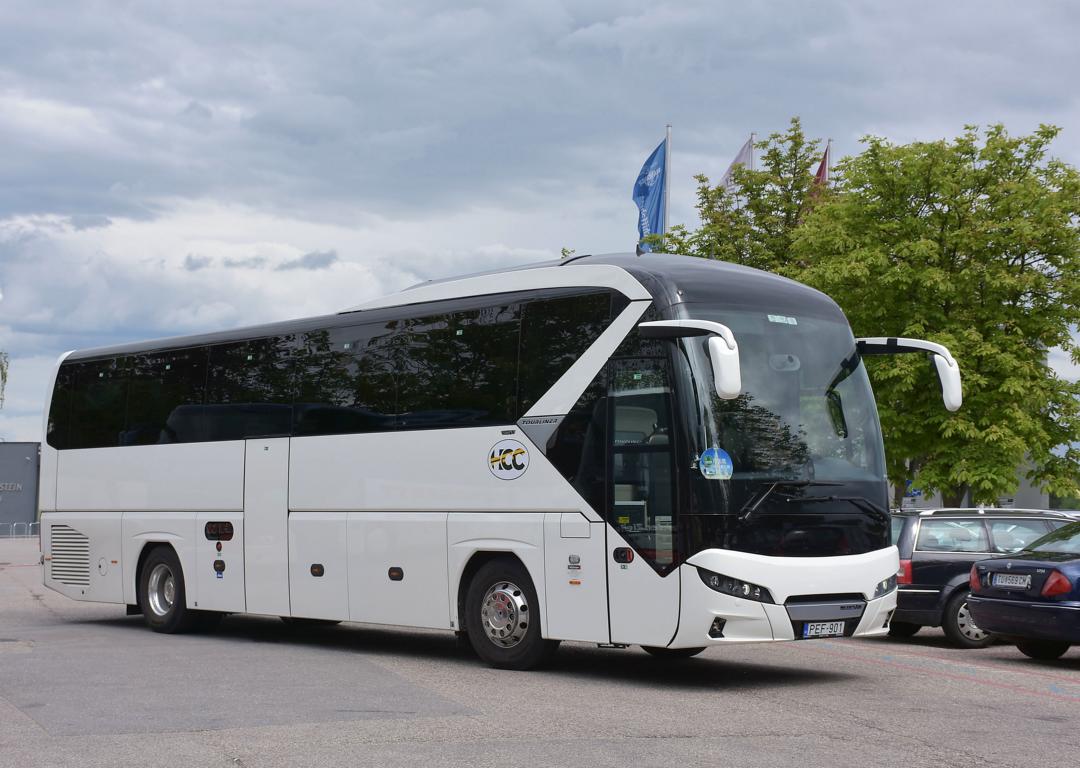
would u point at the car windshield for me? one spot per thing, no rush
(806, 411)
(1065, 540)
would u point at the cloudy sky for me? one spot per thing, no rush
(174, 167)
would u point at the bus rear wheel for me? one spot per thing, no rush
(162, 597)
(502, 617)
(671, 653)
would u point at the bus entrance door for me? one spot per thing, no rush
(266, 526)
(643, 585)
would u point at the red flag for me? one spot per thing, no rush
(822, 175)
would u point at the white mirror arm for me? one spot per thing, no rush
(894, 345)
(685, 328)
(948, 370)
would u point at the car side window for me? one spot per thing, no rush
(1013, 535)
(897, 528)
(952, 536)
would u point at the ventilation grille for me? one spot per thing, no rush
(70, 562)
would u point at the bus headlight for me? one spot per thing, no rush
(734, 587)
(885, 586)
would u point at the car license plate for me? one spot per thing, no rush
(823, 629)
(1023, 581)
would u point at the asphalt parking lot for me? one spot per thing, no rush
(84, 685)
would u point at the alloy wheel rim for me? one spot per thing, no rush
(968, 627)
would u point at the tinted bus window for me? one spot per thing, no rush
(60, 408)
(249, 389)
(458, 370)
(98, 403)
(555, 333)
(165, 397)
(345, 382)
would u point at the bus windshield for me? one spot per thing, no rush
(801, 441)
(806, 411)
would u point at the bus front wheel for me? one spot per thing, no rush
(502, 617)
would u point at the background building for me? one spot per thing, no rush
(18, 484)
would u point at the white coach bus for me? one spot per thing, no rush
(656, 450)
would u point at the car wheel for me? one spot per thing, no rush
(161, 593)
(1043, 650)
(671, 653)
(903, 629)
(960, 628)
(502, 617)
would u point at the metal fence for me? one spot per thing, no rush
(22, 530)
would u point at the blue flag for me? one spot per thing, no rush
(649, 194)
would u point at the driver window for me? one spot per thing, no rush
(641, 454)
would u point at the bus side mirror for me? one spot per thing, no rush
(723, 349)
(952, 392)
(727, 373)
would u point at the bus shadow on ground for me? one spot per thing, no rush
(999, 652)
(579, 660)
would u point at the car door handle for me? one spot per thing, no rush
(623, 555)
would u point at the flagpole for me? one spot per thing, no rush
(828, 161)
(667, 175)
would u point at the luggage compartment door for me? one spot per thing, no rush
(266, 526)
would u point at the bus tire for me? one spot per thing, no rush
(671, 653)
(903, 629)
(162, 596)
(502, 617)
(960, 629)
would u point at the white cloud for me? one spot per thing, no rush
(161, 163)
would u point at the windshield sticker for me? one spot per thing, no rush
(783, 320)
(715, 464)
(508, 460)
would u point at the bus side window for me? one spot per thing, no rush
(57, 431)
(97, 409)
(345, 382)
(458, 369)
(165, 397)
(249, 389)
(554, 334)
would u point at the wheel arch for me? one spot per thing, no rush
(148, 546)
(478, 560)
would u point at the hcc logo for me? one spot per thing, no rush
(508, 460)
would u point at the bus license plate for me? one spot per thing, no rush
(1023, 581)
(823, 629)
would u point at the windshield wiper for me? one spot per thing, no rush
(755, 501)
(874, 510)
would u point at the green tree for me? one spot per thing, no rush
(755, 223)
(973, 243)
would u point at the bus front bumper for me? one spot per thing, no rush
(810, 598)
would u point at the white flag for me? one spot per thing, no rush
(743, 158)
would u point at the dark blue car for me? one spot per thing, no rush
(1032, 597)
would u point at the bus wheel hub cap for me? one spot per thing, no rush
(504, 614)
(161, 589)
